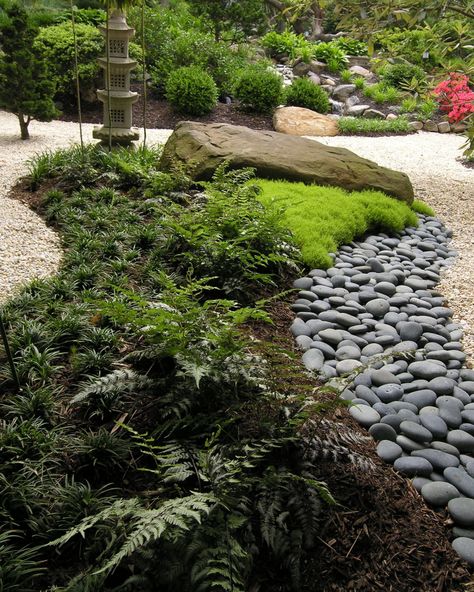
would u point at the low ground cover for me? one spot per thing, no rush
(359, 126)
(323, 218)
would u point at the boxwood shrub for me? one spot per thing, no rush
(191, 90)
(259, 89)
(304, 93)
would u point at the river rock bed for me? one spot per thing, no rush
(376, 322)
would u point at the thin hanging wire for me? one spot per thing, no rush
(144, 74)
(76, 72)
(107, 73)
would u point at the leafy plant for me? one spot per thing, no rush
(361, 126)
(381, 92)
(259, 90)
(359, 82)
(332, 55)
(346, 76)
(304, 93)
(191, 90)
(286, 43)
(427, 108)
(352, 47)
(400, 75)
(408, 105)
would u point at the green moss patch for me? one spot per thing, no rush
(323, 218)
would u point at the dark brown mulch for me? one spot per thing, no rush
(381, 536)
(160, 115)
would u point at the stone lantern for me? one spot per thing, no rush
(117, 119)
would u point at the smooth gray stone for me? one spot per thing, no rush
(317, 325)
(313, 359)
(447, 401)
(438, 494)
(348, 353)
(405, 377)
(304, 283)
(322, 291)
(392, 318)
(346, 320)
(382, 431)
(382, 377)
(386, 288)
(377, 307)
(391, 418)
(404, 406)
(358, 401)
(467, 427)
(331, 336)
(468, 386)
(363, 378)
(429, 409)
(419, 482)
(451, 415)
(385, 339)
(383, 409)
(358, 329)
(328, 371)
(317, 273)
(470, 467)
(467, 374)
(464, 547)
(442, 385)
(364, 392)
(415, 431)
(375, 265)
(426, 370)
(298, 308)
(319, 306)
(416, 283)
(445, 447)
(347, 366)
(372, 349)
(361, 278)
(463, 532)
(347, 395)
(460, 479)
(462, 511)
(461, 395)
(409, 331)
(299, 327)
(468, 415)
(389, 393)
(435, 424)
(439, 459)
(307, 295)
(463, 441)
(409, 445)
(307, 316)
(437, 477)
(421, 398)
(364, 415)
(413, 466)
(303, 342)
(415, 385)
(389, 451)
(328, 351)
(329, 316)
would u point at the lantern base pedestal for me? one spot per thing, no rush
(123, 136)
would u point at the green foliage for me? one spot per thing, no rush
(381, 92)
(234, 19)
(25, 88)
(401, 75)
(359, 82)
(352, 47)
(427, 108)
(193, 48)
(304, 93)
(286, 43)
(409, 105)
(418, 46)
(323, 218)
(55, 45)
(332, 55)
(259, 90)
(191, 90)
(19, 567)
(346, 76)
(361, 126)
(422, 208)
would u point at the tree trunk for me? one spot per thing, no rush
(25, 134)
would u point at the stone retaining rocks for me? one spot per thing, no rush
(380, 322)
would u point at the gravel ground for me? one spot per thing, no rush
(29, 249)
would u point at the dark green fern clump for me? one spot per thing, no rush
(148, 449)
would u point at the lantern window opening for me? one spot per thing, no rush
(117, 116)
(117, 80)
(117, 47)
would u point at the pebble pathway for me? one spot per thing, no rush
(376, 320)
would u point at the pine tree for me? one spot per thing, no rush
(25, 89)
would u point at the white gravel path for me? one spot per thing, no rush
(28, 249)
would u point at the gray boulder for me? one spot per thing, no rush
(203, 147)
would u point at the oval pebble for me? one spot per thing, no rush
(415, 431)
(462, 511)
(413, 466)
(438, 494)
(389, 451)
(382, 431)
(464, 547)
(364, 415)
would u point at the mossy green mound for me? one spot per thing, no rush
(323, 218)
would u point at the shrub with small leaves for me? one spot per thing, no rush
(399, 75)
(259, 90)
(192, 90)
(304, 93)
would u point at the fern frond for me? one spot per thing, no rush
(118, 381)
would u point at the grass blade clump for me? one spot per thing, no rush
(323, 218)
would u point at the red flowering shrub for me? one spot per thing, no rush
(455, 97)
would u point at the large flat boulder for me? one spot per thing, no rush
(277, 156)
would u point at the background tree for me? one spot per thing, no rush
(240, 16)
(25, 88)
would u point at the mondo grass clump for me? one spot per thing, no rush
(150, 447)
(362, 126)
(323, 218)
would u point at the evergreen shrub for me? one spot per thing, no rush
(398, 75)
(259, 90)
(191, 90)
(304, 93)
